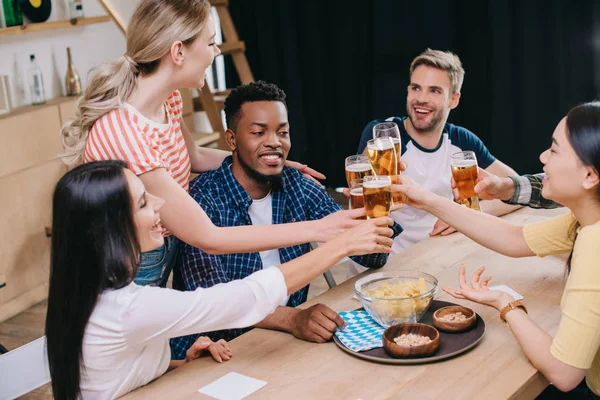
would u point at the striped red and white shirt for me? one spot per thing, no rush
(125, 134)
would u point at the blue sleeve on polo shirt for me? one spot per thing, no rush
(467, 140)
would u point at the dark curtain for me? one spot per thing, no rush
(345, 63)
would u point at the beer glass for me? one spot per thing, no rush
(465, 174)
(382, 155)
(377, 193)
(356, 195)
(389, 130)
(384, 161)
(357, 167)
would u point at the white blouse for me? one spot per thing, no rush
(126, 341)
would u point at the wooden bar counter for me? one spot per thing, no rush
(495, 369)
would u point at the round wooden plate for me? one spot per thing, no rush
(451, 344)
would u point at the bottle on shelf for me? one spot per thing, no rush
(36, 82)
(12, 13)
(72, 81)
(75, 9)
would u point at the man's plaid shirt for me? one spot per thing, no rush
(528, 192)
(226, 203)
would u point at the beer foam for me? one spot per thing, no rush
(376, 184)
(358, 167)
(356, 192)
(464, 163)
(380, 144)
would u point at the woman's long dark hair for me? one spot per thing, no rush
(583, 132)
(94, 247)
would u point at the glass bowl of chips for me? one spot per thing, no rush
(396, 297)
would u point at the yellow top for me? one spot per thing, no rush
(577, 342)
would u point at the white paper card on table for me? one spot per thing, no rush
(232, 386)
(506, 289)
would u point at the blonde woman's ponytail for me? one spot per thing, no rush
(110, 86)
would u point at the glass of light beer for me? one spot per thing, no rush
(465, 174)
(357, 199)
(384, 161)
(382, 155)
(357, 167)
(377, 193)
(389, 130)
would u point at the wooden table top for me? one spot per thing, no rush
(495, 369)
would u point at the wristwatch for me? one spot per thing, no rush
(511, 306)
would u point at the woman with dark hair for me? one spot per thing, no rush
(572, 166)
(106, 335)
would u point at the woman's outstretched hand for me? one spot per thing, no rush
(371, 236)
(337, 223)
(477, 290)
(415, 195)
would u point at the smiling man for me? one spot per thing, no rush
(428, 141)
(254, 187)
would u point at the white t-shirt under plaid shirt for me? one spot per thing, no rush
(125, 134)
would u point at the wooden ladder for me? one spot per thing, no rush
(213, 102)
(210, 102)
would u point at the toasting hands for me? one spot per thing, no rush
(489, 187)
(371, 236)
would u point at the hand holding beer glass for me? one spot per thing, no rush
(377, 193)
(465, 174)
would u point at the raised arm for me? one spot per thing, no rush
(241, 303)
(202, 158)
(487, 230)
(495, 206)
(185, 219)
(525, 190)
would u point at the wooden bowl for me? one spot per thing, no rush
(398, 351)
(447, 326)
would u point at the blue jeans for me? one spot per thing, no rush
(156, 265)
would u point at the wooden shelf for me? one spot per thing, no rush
(47, 26)
(29, 107)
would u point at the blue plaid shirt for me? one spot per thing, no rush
(226, 203)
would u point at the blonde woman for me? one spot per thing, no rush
(131, 111)
(572, 166)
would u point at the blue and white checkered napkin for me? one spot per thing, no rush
(362, 332)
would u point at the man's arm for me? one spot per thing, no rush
(489, 205)
(528, 192)
(497, 207)
(525, 190)
(314, 324)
